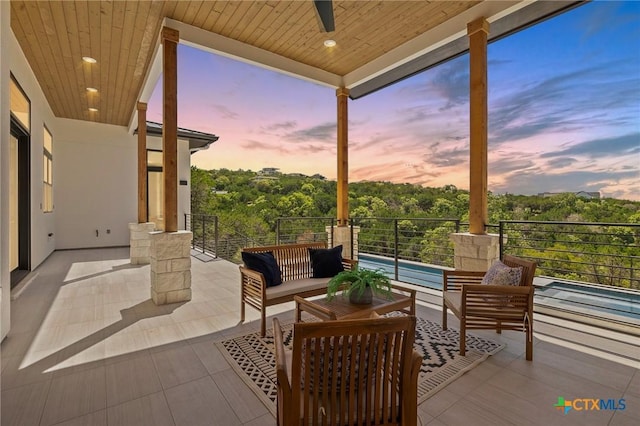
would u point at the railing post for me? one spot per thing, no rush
(215, 235)
(186, 228)
(333, 237)
(204, 232)
(351, 224)
(501, 241)
(395, 248)
(278, 231)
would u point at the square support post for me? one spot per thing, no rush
(342, 95)
(337, 235)
(473, 252)
(478, 209)
(170, 38)
(170, 267)
(142, 162)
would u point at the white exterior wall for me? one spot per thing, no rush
(12, 60)
(184, 173)
(5, 280)
(42, 224)
(94, 174)
(95, 184)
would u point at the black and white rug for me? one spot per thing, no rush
(253, 358)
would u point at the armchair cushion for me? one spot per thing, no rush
(326, 263)
(501, 274)
(266, 264)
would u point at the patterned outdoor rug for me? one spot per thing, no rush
(253, 358)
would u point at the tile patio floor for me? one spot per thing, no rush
(87, 347)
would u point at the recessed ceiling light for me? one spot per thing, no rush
(329, 43)
(93, 109)
(92, 89)
(89, 59)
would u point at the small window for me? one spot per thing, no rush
(47, 172)
(20, 106)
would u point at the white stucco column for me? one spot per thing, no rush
(170, 255)
(474, 252)
(337, 235)
(140, 242)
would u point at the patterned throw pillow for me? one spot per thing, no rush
(501, 274)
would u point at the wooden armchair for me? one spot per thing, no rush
(499, 307)
(350, 372)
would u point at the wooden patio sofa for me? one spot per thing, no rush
(296, 269)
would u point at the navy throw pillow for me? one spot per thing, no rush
(266, 264)
(326, 263)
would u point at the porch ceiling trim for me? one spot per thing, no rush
(431, 40)
(503, 23)
(439, 44)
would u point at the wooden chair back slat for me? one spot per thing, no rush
(353, 372)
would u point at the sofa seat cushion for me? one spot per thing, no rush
(296, 286)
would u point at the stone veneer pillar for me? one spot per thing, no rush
(139, 242)
(475, 252)
(342, 235)
(170, 267)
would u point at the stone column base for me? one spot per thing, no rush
(139, 242)
(170, 267)
(473, 252)
(342, 235)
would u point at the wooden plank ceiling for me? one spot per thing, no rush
(122, 36)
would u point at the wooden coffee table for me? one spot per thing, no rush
(339, 308)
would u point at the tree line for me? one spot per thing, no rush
(248, 203)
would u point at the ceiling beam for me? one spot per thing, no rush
(215, 43)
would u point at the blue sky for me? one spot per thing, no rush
(564, 113)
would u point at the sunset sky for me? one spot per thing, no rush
(564, 113)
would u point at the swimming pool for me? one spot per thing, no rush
(409, 272)
(593, 300)
(613, 303)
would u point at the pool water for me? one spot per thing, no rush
(587, 299)
(609, 303)
(409, 272)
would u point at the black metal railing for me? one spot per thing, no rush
(205, 232)
(424, 240)
(292, 230)
(599, 253)
(213, 238)
(230, 246)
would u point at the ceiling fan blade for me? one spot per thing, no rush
(325, 13)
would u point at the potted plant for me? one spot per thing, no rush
(359, 285)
